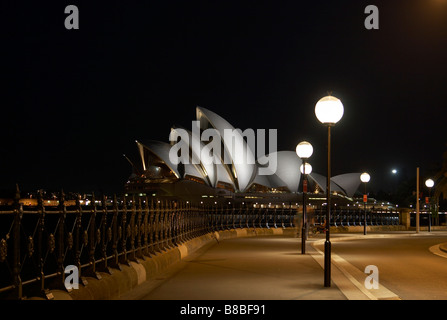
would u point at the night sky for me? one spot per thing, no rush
(74, 101)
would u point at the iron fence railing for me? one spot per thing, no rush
(356, 217)
(37, 243)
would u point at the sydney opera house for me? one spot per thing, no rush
(225, 178)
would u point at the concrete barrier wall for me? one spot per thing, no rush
(113, 286)
(355, 229)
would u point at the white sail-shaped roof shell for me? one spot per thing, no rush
(262, 180)
(346, 184)
(222, 174)
(287, 172)
(244, 171)
(215, 171)
(209, 169)
(161, 150)
(349, 182)
(241, 175)
(321, 181)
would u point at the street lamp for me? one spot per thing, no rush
(328, 110)
(304, 150)
(305, 169)
(429, 183)
(364, 177)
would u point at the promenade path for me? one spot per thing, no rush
(255, 268)
(273, 268)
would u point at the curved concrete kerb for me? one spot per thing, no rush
(241, 232)
(439, 249)
(140, 270)
(183, 251)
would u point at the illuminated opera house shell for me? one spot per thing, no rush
(235, 176)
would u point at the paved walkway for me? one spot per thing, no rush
(258, 268)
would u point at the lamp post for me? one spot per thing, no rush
(417, 200)
(305, 169)
(429, 183)
(328, 110)
(304, 150)
(364, 177)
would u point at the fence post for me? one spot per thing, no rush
(192, 221)
(18, 213)
(269, 217)
(186, 222)
(139, 230)
(115, 237)
(196, 220)
(133, 255)
(291, 216)
(241, 216)
(180, 222)
(163, 226)
(124, 233)
(209, 217)
(282, 218)
(156, 227)
(146, 227)
(77, 239)
(167, 228)
(189, 221)
(226, 210)
(60, 239)
(40, 231)
(274, 217)
(183, 222)
(92, 241)
(167, 220)
(247, 212)
(253, 217)
(199, 220)
(174, 223)
(222, 216)
(170, 224)
(106, 235)
(152, 241)
(261, 217)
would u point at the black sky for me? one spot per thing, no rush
(73, 101)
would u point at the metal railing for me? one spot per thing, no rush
(38, 243)
(428, 218)
(356, 217)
